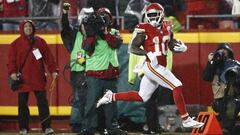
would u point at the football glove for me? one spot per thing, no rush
(179, 46)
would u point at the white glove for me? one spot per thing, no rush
(180, 46)
(153, 58)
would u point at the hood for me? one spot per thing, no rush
(21, 29)
(226, 46)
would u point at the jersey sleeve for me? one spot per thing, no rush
(139, 28)
(168, 26)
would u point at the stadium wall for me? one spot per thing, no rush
(188, 67)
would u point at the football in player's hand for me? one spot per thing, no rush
(178, 46)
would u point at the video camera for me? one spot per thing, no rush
(232, 76)
(218, 58)
(228, 107)
(94, 24)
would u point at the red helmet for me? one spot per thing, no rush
(106, 15)
(103, 11)
(154, 14)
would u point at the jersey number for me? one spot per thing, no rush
(160, 50)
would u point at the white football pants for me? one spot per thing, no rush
(155, 76)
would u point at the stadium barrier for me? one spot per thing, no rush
(188, 68)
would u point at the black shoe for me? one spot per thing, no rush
(86, 132)
(76, 128)
(116, 132)
(155, 130)
(150, 133)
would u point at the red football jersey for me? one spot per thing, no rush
(157, 39)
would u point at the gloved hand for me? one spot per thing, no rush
(153, 58)
(66, 7)
(179, 46)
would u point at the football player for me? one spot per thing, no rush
(155, 36)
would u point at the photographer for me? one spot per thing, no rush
(72, 38)
(218, 63)
(231, 99)
(213, 71)
(102, 69)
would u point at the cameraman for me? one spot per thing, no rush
(213, 70)
(231, 99)
(72, 38)
(218, 62)
(102, 69)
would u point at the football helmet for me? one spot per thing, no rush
(154, 14)
(106, 15)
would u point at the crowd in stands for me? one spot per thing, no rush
(182, 8)
(29, 8)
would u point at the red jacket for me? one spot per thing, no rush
(33, 72)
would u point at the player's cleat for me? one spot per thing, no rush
(191, 123)
(107, 98)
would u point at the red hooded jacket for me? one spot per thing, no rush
(33, 72)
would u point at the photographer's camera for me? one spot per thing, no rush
(94, 24)
(218, 58)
